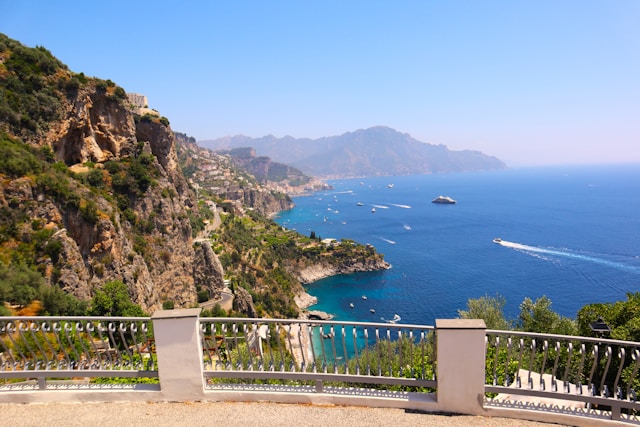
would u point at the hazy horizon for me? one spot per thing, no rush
(530, 82)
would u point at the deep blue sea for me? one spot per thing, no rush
(570, 233)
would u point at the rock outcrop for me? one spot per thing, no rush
(142, 236)
(319, 271)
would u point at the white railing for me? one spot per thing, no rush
(318, 351)
(67, 347)
(589, 376)
(457, 366)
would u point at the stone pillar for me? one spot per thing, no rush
(461, 365)
(179, 351)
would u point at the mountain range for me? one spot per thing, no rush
(376, 151)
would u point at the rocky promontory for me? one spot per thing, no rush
(315, 272)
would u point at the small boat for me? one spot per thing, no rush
(389, 185)
(364, 297)
(351, 304)
(372, 310)
(360, 204)
(497, 240)
(396, 318)
(444, 200)
(373, 210)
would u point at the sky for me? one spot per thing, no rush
(532, 82)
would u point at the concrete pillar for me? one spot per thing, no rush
(461, 365)
(179, 351)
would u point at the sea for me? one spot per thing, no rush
(571, 233)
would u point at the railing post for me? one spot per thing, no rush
(179, 350)
(461, 365)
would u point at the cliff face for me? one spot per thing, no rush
(141, 236)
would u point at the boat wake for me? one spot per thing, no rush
(567, 253)
(400, 206)
(391, 242)
(380, 206)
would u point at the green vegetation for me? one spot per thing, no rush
(257, 254)
(113, 300)
(535, 316)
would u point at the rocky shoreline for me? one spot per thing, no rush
(317, 272)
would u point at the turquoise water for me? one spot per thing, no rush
(570, 233)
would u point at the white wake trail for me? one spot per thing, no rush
(569, 254)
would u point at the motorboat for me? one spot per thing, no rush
(360, 204)
(364, 297)
(372, 310)
(351, 305)
(389, 185)
(396, 318)
(373, 210)
(444, 200)
(497, 240)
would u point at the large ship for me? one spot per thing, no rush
(445, 200)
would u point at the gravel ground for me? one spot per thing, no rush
(229, 414)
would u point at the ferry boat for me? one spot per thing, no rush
(444, 200)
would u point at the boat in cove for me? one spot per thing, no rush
(444, 200)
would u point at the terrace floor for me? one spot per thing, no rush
(229, 414)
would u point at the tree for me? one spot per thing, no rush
(623, 317)
(114, 300)
(490, 309)
(19, 284)
(538, 317)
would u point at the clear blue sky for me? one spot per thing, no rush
(532, 82)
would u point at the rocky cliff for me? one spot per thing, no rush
(158, 263)
(108, 193)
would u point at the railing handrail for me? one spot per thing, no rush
(563, 337)
(318, 322)
(74, 318)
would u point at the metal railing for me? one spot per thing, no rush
(587, 375)
(71, 347)
(318, 352)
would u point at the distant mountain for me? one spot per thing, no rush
(375, 151)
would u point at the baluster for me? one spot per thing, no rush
(354, 336)
(495, 360)
(621, 356)
(609, 355)
(635, 355)
(344, 350)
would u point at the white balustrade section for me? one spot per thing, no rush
(455, 367)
